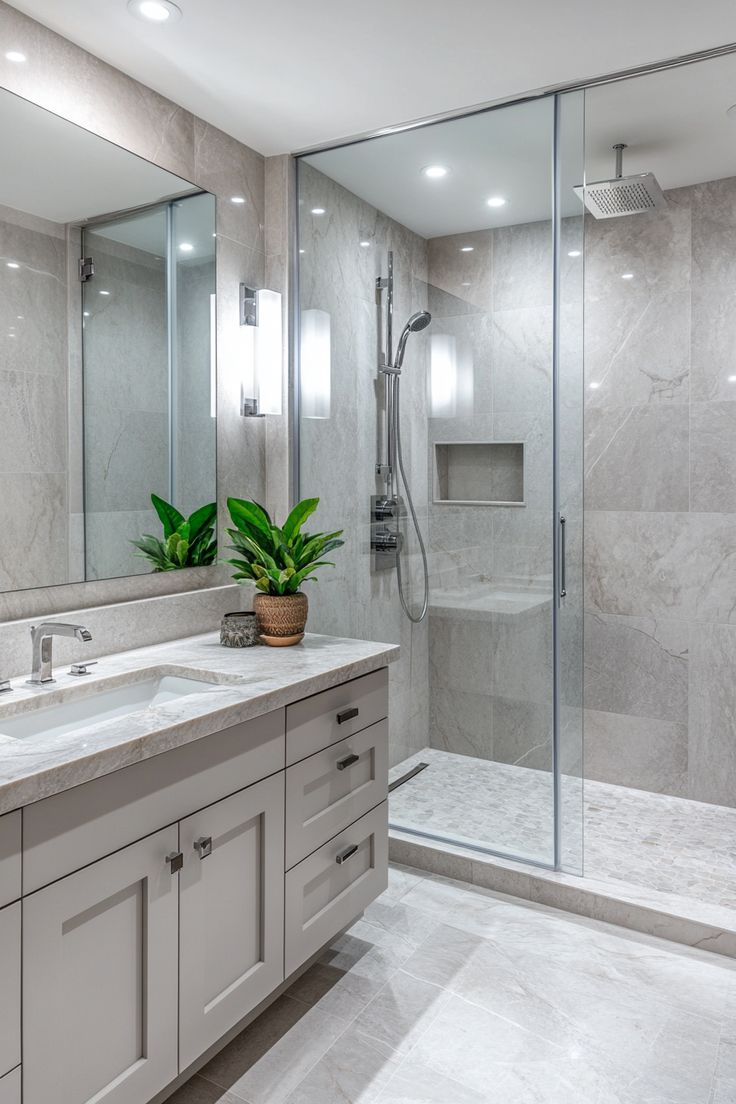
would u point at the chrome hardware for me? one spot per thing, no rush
(249, 407)
(81, 668)
(347, 714)
(385, 535)
(5, 686)
(41, 642)
(346, 854)
(175, 861)
(563, 557)
(86, 269)
(248, 306)
(203, 846)
(343, 764)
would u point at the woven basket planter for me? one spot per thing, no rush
(281, 618)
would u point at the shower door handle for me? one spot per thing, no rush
(563, 557)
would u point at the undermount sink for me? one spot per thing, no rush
(104, 705)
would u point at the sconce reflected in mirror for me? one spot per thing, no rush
(315, 364)
(451, 377)
(260, 314)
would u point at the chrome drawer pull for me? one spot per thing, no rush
(175, 861)
(346, 854)
(343, 764)
(347, 714)
(203, 846)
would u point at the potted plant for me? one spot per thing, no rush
(188, 542)
(278, 559)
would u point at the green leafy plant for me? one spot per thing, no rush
(187, 542)
(277, 559)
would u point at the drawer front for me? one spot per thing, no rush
(10, 1087)
(323, 719)
(72, 829)
(326, 891)
(328, 791)
(10, 857)
(9, 988)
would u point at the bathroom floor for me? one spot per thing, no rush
(669, 844)
(450, 994)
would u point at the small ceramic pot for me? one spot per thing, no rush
(281, 618)
(239, 630)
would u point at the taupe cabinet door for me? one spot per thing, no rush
(100, 963)
(232, 912)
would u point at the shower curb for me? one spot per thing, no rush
(677, 919)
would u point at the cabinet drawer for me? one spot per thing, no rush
(325, 718)
(326, 891)
(10, 1087)
(66, 832)
(10, 857)
(328, 791)
(9, 988)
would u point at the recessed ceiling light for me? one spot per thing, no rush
(627, 275)
(594, 386)
(12, 264)
(154, 11)
(574, 253)
(467, 248)
(496, 201)
(15, 55)
(237, 199)
(302, 251)
(318, 210)
(104, 293)
(186, 247)
(435, 172)
(365, 244)
(20, 317)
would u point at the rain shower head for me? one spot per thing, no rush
(622, 195)
(417, 322)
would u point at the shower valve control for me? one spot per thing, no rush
(385, 535)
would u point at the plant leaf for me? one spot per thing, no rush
(298, 516)
(169, 516)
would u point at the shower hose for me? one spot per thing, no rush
(396, 415)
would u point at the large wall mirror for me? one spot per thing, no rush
(107, 380)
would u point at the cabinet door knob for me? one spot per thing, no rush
(203, 846)
(347, 714)
(343, 764)
(346, 854)
(175, 861)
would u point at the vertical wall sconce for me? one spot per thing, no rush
(260, 314)
(443, 376)
(315, 369)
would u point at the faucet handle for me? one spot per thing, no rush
(5, 686)
(81, 668)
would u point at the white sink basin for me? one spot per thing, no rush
(94, 708)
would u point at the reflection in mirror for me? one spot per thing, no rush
(107, 382)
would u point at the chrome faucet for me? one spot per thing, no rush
(42, 639)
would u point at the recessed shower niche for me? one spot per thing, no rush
(488, 473)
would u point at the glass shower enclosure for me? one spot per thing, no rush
(476, 221)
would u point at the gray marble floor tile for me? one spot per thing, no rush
(419, 1084)
(268, 1060)
(355, 1069)
(403, 1010)
(200, 1091)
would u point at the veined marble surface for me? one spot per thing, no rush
(250, 682)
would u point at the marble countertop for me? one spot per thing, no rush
(250, 682)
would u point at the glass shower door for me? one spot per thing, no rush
(472, 211)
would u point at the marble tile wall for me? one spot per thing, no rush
(490, 680)
(660, 499)
(338, 454)
(80, 87)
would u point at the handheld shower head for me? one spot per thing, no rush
(417, 322)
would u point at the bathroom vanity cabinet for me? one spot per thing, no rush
(164, 903)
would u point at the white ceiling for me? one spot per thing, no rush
(44, 178)
(674, 123)
(287, 74)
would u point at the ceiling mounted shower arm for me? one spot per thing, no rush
(619, 150)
